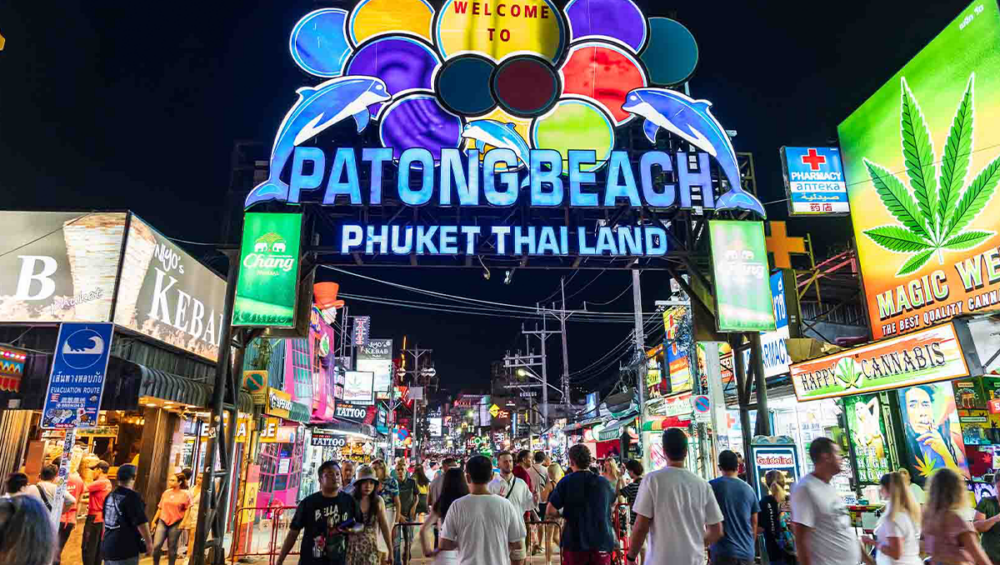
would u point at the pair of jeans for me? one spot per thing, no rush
(90, 546)
(65, 529)
(730, 560)
(171, 535)
(129, 561)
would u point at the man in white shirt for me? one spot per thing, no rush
(512, 488)
(820, 520)
(45, 489)
(676, 509)
(486, 529)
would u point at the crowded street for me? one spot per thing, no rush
(481, 282)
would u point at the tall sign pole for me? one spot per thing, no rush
(565, 348)
(640, 344)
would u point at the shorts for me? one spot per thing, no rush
(586, 558)
(729, 560)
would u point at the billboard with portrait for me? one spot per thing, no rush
(59, 266)
(168, 295)
(931, 430)
(868, 419)
(922, 162)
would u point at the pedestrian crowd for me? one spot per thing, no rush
(488, 512)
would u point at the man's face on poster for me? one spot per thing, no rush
(919, 410)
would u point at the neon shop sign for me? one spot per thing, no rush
(498, 104)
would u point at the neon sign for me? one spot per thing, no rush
(487, 102)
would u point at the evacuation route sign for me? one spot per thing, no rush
(79, 364)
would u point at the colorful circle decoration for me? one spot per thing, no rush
(498, 30)
(510, 80)
(558, 80)
(575, 124)
(419, 120)
(603, 73)
(620, 21)
(372, 18)
(318, 44)
(463, 83)
(403, 63)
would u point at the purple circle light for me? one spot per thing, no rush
(419, 121)
(403, 63)
(620, 21)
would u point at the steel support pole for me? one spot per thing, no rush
(565, 347)
(545, 379)
(640, 344)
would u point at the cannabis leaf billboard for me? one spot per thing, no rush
(922, 160)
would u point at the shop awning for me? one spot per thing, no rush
(582, 424)
(664, 423)
(175, 388)
(614, 430)
(348, 428)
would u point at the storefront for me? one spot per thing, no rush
(661, 415)
(919, 401)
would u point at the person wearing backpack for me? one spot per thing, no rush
(584, 500)
(126, 528)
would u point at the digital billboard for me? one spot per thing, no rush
(167, 295)
(268, 282)
(922, 161)
(741, 276)
(59, 266)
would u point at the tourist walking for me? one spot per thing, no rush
(676, 510)
(630, 492)
(948, 537)
(326, 519)
(74, 488)
(93, 529)
(773, 520)
(585, 501)
(740, 508)
(434, 490)
(347, 475)
(989, 506)
(516, 490)
(388, 490)
(820, 521)
(362, 549)
(453, 487)
(484, 528)
(897, 538)
(45, 489)
(407, 505)
(556, 474)
(126, 528)
(26, 534)
(423, 491)
(15, 484)
(170, 514)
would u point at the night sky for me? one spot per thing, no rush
(113, 106)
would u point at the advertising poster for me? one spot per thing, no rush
(358, 387)
(980, 426)
(679, 368)
(931, 429)
(814, 181)
(741, 276)
(985, 333)
(376, 357)
(921, 159)
(64, 268)
(865, 418)
(778, 457)
(79, 368)
(434, 426)
(268, 283)
(167, 295)
(930, 355)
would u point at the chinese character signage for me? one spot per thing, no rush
(934, 354)
(741, 276)
(79, 367)
(269, 270)
(922, 160)
(814, 180)
(362, 328)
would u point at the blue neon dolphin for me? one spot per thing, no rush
(499, 135)
(692, 120)
(317, 109)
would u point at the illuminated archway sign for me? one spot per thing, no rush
(497, 103)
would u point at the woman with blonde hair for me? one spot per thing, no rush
(556, 474)
(773, 521)
(896, 536)
(948, 538)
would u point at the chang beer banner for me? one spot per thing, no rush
(270, 254)
(922, 160)
(934, 354)
(741, 276)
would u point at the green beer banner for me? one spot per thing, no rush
(269, 270)
(743, 301)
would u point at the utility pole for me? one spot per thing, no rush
(416, 373)
(640, 344)
(543, 336)
(563, 316)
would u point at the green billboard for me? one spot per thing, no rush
(269, 270)
(741, 276)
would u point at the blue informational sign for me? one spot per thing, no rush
(814, 180)
(73, 398)
(775, 353)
